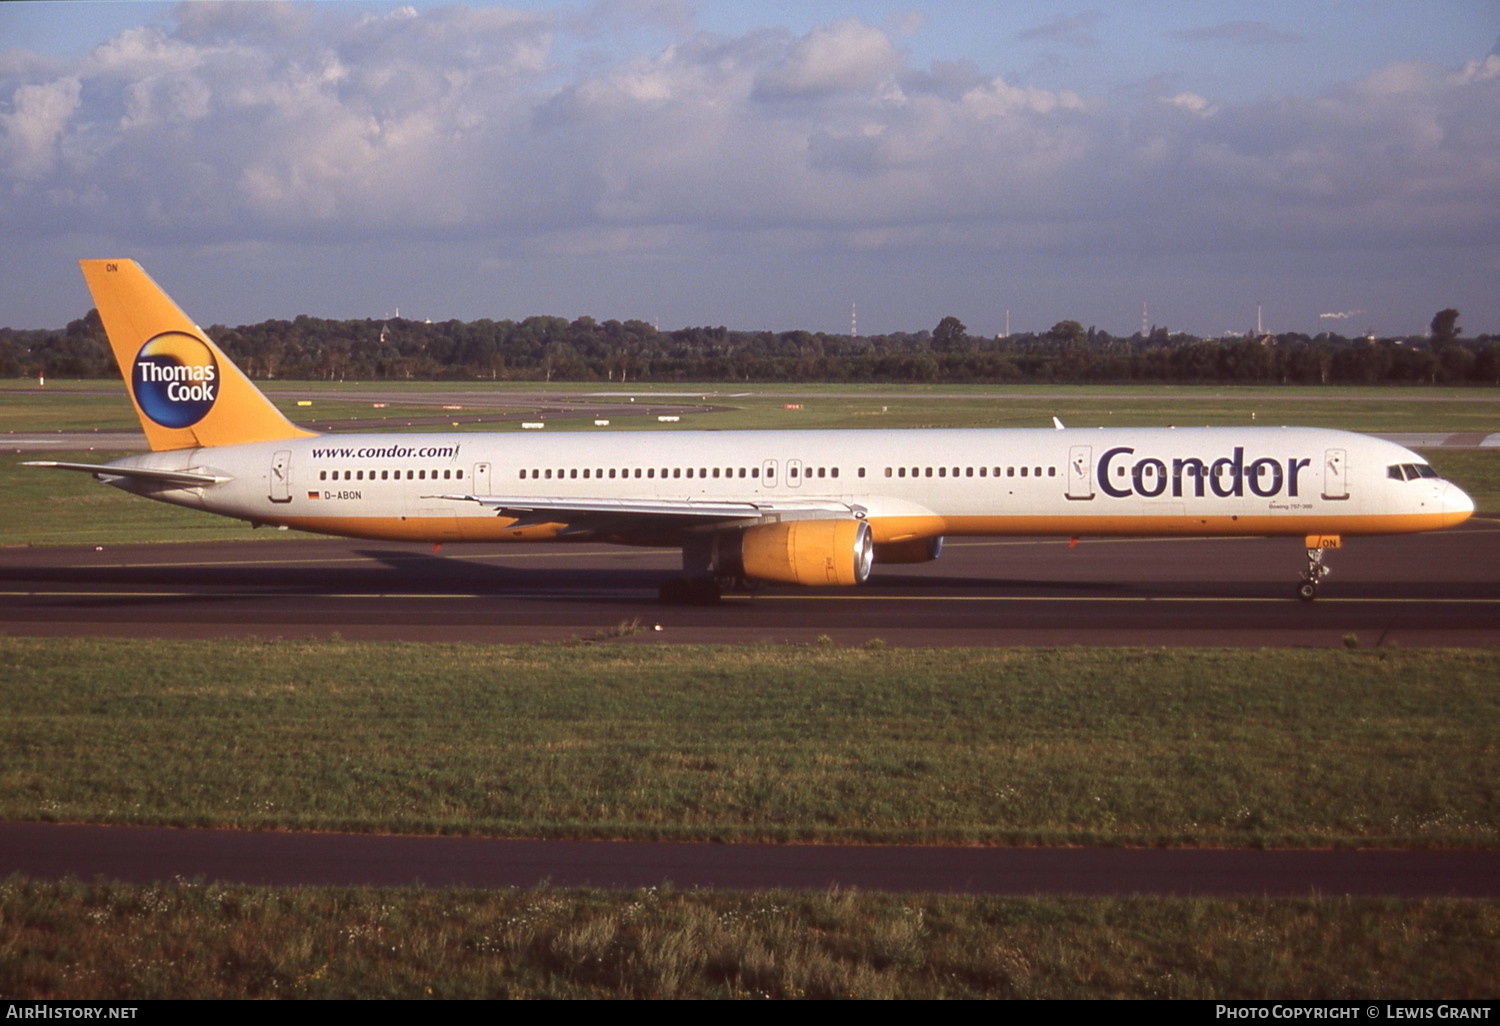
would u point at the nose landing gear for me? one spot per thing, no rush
(1317, 544)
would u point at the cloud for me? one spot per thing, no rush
(322, 125)
(846, 56)
(1239, 33)
(29, 132)
(1192, 103)
(1070, 29)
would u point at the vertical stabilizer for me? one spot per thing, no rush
(186, 392)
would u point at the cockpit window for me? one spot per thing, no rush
(1410, 471)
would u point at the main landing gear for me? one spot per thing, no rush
(1307, 587)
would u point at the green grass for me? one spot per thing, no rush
(631, 740)
(57, 507)
(89, 405)
(112, 941)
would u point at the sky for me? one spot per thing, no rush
(762, 165)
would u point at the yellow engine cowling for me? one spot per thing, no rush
(913, 550)
(808, 552)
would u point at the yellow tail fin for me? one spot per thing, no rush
(186, 391)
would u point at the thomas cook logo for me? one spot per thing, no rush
(175, 379)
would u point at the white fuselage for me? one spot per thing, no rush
(907, 484)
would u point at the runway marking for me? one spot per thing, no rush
(1105, 598)
(330, 560)
(448, 596)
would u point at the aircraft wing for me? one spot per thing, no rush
(581, 512)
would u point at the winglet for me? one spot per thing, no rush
(1058, 424)
(186, 392)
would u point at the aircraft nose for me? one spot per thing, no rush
(1457, 505)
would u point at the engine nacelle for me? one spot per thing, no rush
(913, 550)
(807, 552)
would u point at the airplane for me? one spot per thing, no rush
(814, 508)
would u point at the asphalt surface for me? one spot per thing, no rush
(145, 855)
(1414, 590)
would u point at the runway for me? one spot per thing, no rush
(1415, 590)
(147, 855)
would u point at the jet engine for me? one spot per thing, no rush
(808, 552)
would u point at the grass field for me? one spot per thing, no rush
(779, 743)
(191, 941)
(89, 405)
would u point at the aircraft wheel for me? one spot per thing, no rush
(1307, 591)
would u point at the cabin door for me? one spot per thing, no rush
(1335, 476)
(281, 476)
(481, 483)
(1080, 472)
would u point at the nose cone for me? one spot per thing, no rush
(1457, 506)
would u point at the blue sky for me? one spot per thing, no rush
(762, 165)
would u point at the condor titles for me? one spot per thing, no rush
(1226, 477)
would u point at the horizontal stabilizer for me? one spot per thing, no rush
(104, 470)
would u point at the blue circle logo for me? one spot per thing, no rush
(175, 379)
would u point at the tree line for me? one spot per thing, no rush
(556, 349)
